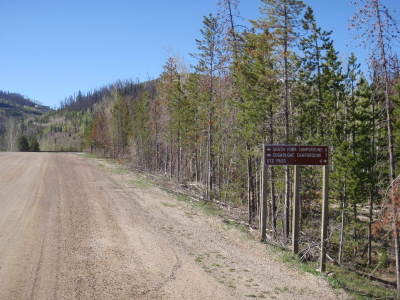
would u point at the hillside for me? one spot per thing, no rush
(17, 106)
(14, 108)
(67, 128)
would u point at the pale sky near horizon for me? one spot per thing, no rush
(50, 49)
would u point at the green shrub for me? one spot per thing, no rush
(22, 144)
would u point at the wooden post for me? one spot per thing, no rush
(325, 220)
(296, 209)
(263, 197)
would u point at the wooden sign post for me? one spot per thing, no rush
(296, 211)
(324, 225)
(263, 197)
(295, 155)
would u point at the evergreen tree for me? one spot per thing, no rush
(283, 20)
(33, 144)
(313, 46)
(140, 131)
(211, 61)
(258, 84)
(121, 127)
(23, 144)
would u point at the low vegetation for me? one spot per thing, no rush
(30, 144)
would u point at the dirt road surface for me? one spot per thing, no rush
(76, 228)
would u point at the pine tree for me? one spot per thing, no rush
(33, 144)
(257, 81)
(313, 46)
(121, 126)
(23, 144)
(140, 130)
(283, 21)
(210, 61)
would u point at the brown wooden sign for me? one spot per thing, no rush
(282, 155)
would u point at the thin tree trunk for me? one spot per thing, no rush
(272, 173)
(249, 190)
(273, 199)
(263, 196)
(209, 160)
(392, 161)
(355, 237)
(256, 193)
(219, 175)
(342, 226)
(397, 253)
(370, 229)
(196, 166)
(287, 170)
(171, 159)
(166, 160)
(373, 190)
(157, 156)
(179, 154)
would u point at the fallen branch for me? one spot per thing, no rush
(369, 276)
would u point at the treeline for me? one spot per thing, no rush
(18, 99)
(80, 101)
(277, 80)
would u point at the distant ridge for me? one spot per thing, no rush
(13, 109)
(17, 100)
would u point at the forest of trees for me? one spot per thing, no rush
(277, 80)
(14, 109)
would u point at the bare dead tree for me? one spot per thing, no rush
(389, 221)
(377, 29)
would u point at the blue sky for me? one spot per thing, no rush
(50, 49)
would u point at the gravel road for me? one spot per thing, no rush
(73, 227)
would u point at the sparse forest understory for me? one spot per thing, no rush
(278, 81)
